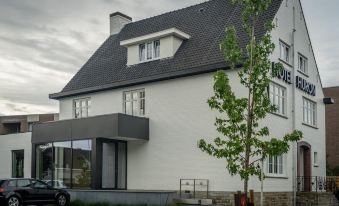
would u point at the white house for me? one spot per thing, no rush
(132, 115)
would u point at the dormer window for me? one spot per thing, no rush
(149, 51)
(147, 48)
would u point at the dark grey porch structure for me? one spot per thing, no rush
(117, 129)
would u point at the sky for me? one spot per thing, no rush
(43, 43)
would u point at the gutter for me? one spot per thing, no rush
(294, 126)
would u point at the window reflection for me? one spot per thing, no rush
(82, 164)
(44, 163)
(62, 165)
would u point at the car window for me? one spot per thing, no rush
(24, 183)
(11, 183)
(39, 184)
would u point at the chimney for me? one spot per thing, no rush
(118, 21)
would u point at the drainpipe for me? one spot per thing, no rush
(294, 175)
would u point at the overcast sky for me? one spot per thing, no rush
(44, 42)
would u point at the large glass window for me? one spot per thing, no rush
(81, 171)
(309, 112)
(277, 95)
(134, 102)
(44, 161)
(82, 107)
(62, 164)
(18, 163)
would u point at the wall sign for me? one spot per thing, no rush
(300, 83)
(284, 74)
(304, 85)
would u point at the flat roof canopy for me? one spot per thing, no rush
(112, 126)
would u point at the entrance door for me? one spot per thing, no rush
(114, 165)
(304, 166)
(108, 165)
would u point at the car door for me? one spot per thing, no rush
(45, 192)
(26, 191)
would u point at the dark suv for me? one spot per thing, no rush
(16, 192)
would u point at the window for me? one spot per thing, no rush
(12, 128)
(65, 164)
(275, 165)
(18, 164)
(81, 170)
(62, 161)
(284, 52)
(302, 63)
(309, 112)
(30, 126)
(11, 183)
(23, 183)
(315, 159)
(134, 102)
(277, 96)
(149, 51)
(82, 107)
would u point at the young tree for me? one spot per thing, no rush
(245, 141)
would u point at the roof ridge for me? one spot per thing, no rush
(169, 12)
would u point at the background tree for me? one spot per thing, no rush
(245, 142)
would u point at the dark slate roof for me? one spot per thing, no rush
(205, 23)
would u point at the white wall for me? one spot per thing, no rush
(10, 142)
(179, 116)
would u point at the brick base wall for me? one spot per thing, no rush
(227, 198)
(317, 199)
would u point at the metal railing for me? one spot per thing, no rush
(188, 186)
(316, 184)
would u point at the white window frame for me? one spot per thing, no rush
(309, 112)
(283, 56)
(137, 103)
(280, 169)
(84, 111)
(278, 98)
(144, 57)
(302, 67)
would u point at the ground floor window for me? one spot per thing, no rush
(275, 165)
(18, 163)
(65, 164)
(68, 164)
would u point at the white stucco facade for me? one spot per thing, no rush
(179, 116)
(13, 142)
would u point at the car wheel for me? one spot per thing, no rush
(62, 200)
(13, 201)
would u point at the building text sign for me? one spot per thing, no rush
(305, 85)
(300, 83)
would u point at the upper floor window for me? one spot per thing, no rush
(302, 63)
(309, 112)
(134, 102)
(284, 52)
(275, 165)
(149, 50)
(81, 107)
(277, 96)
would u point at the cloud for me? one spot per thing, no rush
(44, 43)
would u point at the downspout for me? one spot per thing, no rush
(294, 144)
